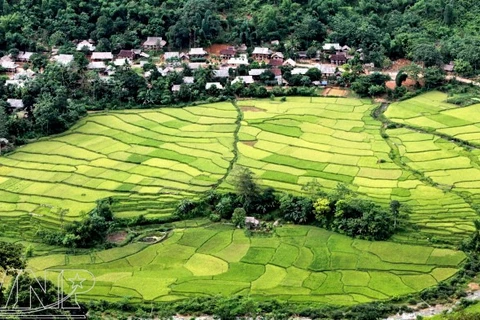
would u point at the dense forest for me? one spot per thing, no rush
(431, 31)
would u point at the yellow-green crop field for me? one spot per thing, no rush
(150, 159)
(153, 158)
(299, 264)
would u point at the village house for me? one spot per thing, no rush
(209, 85)
(24, 56)
(8, 64)
(176, 88)
(327, 70)
(275, 62)
(277, 56)
(236, 61)
(23, 74)
(154, 43)
(222, 73)
(197, 53)
(63, 59)
(449, 67)
(302, 55)
(241, 48)
(332, 47)
(228, 53)
(188, 80)
(338, 59)
(96, 65)
(261, 54)
(85, 44)
(15, 83)
(15, 104)
(122, 61)
(99, 56)
(126, 54)
(243, 79)
(299, 71)
(171, 55)
(255, 73)
(251, 223)
(289, 62)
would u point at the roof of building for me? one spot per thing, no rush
(64, 58)
(449, 67)
(15, 103)
(23, 74)
(242, 48)
(176, 87)
(85, 43)
(9, 65)
(122, 62)
(15, 82)
(24, 55)
(252, 220)
(228, 52)
(277, 55)
(197, 52)
(346, 48)
(96, 65)
(243, 79)
(195, 65)
(338, 57)
(222, 73)
(328, 46)
(325, 68)
(289, 62)
(154, 41)
(256, 72)
(276, 71)
(102, 55)
(299, 70)
(261, 50)
(188, 80)
(208, 85)
(275, 62)
(126, 54)
(171, 54)
(242, 59)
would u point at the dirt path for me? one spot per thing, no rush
(463, 80)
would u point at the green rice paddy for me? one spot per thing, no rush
(150, 159)
(299, 263)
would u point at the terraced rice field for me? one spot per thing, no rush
(431, 112)
(299, 263)
(336, 140)
(153, 158)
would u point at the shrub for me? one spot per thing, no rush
(238, 217)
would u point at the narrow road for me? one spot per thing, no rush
(463, 80)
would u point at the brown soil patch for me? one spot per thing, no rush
(474, 286)
(399, 64)
(335, 92)
(391, 85)
(251, 108)
(249, 143)
(117, 237)
(216, 48)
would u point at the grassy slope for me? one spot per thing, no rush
(300, 263)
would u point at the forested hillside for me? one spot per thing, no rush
(431, 31)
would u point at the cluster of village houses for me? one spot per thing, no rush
(230, 57)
